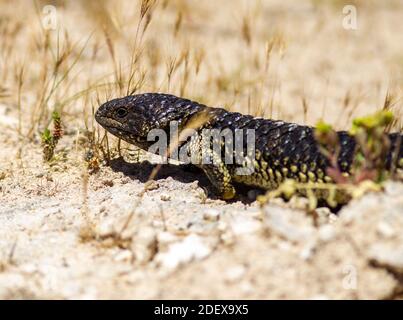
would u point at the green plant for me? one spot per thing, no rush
(51, 139)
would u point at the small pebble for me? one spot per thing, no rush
(166, 238)
(228, 238)
(106, 229)
(29, 268)
(144, 244)
(108, 183)
(165, 197)
(388, 256)
(158, 224)
(244, 225)
(40, 175)
(323, 215)
(211, 215)
(327, 233)
(151, 185)
(190, 248)
(246, 287)
(308, 250)
(385, 229)
(297, 202)
(222, 226)
(235, 273)
(124, 255)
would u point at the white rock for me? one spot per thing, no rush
(246, 287)
(333, 218)
(327, 232)
(211, 215)
(289, 224)
(124, 255)
(385, 229)
(106, 228)
(393, 188)
(228, 238)
(234, 273)
(387, 256)
(190, 248)
(158, 224)
(284, 245)
(222, 226)
(10, 282)
(166, 237)
(297, 202)
(323, 215)
(308, 250)
(29, 268)
(165, 197)
(244, 225)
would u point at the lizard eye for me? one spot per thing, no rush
(121, 112)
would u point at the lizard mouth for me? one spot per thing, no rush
(116, 128)
(111, 125)
(107, 122)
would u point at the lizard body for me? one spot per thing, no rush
(282, 150)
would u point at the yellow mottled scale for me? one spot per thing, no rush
(311, 176)
(312, 166)
(279, 177)
(271, 174)
(302, 177)
(264, 165)
(264, 174)
(320, 173)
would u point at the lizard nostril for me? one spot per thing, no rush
(98, 114)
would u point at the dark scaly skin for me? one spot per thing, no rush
(283, 150)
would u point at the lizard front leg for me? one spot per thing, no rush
(219, 176)
(200, 152)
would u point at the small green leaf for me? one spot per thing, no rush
(55, 116)
(323, 127)
(46, 136)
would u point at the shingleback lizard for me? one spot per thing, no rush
(282, 150)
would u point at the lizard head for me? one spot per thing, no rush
(132, 118)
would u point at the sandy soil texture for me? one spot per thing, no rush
(92, 229)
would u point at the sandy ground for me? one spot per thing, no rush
(61, 226)
(181, 245)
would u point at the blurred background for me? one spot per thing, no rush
(295, 60)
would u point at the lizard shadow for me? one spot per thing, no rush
(141, 171)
